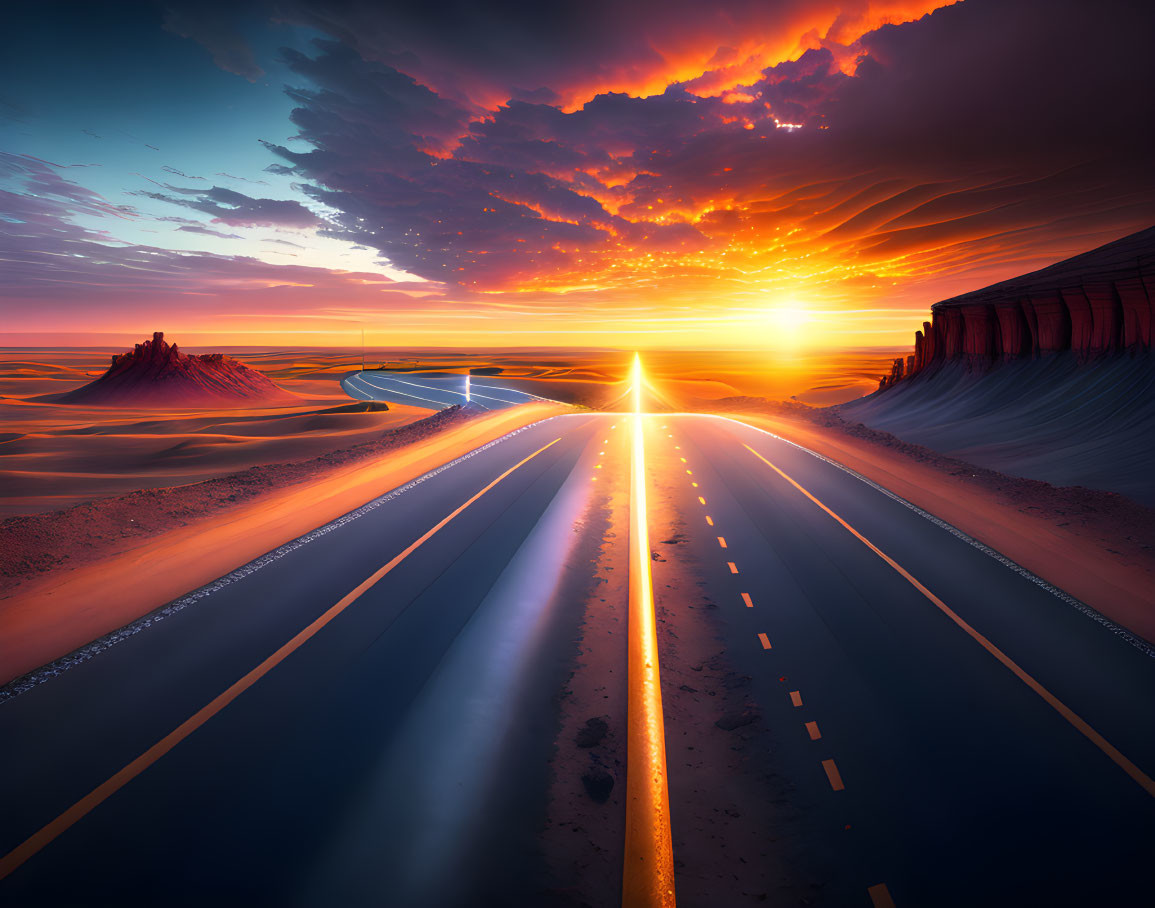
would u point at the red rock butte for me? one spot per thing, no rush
(1096, 303)
(157, 374)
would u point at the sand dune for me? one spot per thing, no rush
(55, 455)
(1056, 419)
(49, 466)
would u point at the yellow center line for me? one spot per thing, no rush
(701, 500)
(709, 520)
(747, 600)
(648, 867)
(733, 567)
(1144, 780)
(880, 896)
(105, 790)
(812, 730)
(796, 698)
(722, 541)
(833, 775)
(764, 640)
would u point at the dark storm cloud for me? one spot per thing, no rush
(227, 206)
(380, 142)
(213, 27)
(949, 136)
(565, 51)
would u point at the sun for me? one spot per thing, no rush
(787, 325)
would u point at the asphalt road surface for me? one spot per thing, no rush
(434, 391)
(398, 756)
(921, 762)
(954, 732)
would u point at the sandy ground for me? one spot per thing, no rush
(72, 577)
(1098, 546)
(53, 456)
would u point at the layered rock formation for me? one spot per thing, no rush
(157, 374)
(1097, 303)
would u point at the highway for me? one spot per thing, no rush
(367, 718)
(921, 762)
(400, 749)
(434, 391)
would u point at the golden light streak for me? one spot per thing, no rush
(648, 867)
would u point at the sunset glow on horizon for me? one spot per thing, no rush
(749, 176)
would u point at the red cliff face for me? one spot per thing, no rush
(157, 374)
(1094, 304)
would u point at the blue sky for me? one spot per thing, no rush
(106, 86)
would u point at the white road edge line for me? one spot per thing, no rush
(1136, 641)
(413, 384)
(443, 404)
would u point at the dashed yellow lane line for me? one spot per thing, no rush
(733, 567)
(833, 775)
(1141, 778)
(796, 698)
(747, 600)
(709, 520)
(722, 542)
(105, 790)
(701, 500)
(880, 896)
(812, 730)
(764, 640)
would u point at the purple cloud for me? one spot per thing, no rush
(952, 141)
(227, 206)
(205, 231)
(214, 29)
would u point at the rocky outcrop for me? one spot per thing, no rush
(1097, 303)
(157, 374)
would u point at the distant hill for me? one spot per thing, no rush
(157, 374)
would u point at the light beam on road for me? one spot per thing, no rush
(636, 384)
(648, 870)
